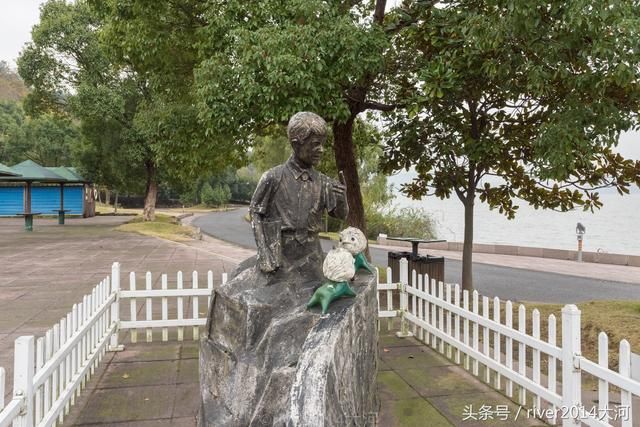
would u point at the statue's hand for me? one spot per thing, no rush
(340, 188)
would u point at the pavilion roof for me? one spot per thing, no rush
(70, 174)
(31, 171)
(7, 171)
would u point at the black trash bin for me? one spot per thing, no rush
(431, 265)
(428, 264)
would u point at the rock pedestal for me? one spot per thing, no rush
(266, 360)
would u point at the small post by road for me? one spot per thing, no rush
(580, 232)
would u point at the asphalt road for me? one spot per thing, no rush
(505, 282)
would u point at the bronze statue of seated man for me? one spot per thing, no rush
(289, 202)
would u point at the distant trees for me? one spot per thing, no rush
(534, 95)
(47, 140)
(230, 185)
(12, 87)
(137, 121)
(50, 140)
(11, 120)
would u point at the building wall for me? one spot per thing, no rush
(11, 200)
(44, 199)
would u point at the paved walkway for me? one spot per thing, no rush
(418, 387)
(43, 273)
(610, 272)
(157, 385)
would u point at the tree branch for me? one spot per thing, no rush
(374, 105)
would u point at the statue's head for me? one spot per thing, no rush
(353, 240)
(307, 133)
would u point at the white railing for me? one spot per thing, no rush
(480, 333)
(172, 315)
(50, 372)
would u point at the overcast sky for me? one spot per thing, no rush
(18, 16)
(16, 19)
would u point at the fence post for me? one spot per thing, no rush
(626, 398)
(404, 299)
(115, 307)
(2, 374)
(24, 367)
(571, 355)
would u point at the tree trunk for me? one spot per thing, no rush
(151, 192)
(467, 248)
(107, 196)
(115, 203)
(346, 162)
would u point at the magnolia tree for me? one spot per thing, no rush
(533, 94)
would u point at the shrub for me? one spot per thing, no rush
(404, 222)
(207, 196)
(410, 222)
(221, 195)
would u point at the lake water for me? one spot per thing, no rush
(615, 228)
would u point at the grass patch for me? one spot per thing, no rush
(330, 235)
(334, 235)
(104, 209)
(164, 226)
(202, 208)
(382, 272)
(618, 319)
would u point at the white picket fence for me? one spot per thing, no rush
(480, 333)
(50, 372)
(180, 293)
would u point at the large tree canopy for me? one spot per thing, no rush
(136, 111)
(264, 61)
(534, 94)
(226, 71)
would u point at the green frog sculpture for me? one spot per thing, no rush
(339, 267)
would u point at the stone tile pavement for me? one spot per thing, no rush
(153, 384)
(157, 384)
(418, 387)
(43, 273)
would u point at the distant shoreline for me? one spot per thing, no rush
(528, 251)
(612, 229)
